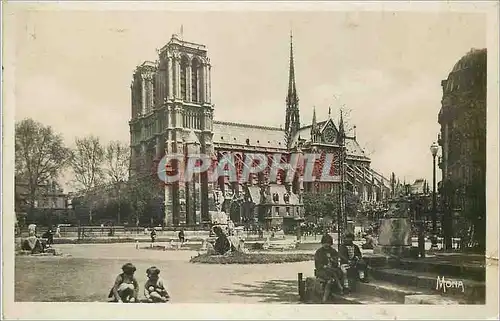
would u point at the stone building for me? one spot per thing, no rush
(172, 112)
(463, 141)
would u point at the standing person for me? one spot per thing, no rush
(153, 236)
(326, 262)
(126, 288)
(351, 261)
(181, 236)
(58, 231)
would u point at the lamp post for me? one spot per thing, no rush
(190, 217)
(434, 150)
(342, 217)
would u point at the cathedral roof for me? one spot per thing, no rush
(227, 133)
(352, 146)
(236, 134)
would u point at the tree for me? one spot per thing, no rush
(87, 164)
(141, 192)
(320, 205)
(40, 157)
(116, 162)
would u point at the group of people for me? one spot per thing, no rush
(181, 236)
(37, 244)
(126, 287)
(339, 268)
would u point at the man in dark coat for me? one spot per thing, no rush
(153, 235)
(351, 261)
(181, 236)
(327, 266)
(49, 235)
(222, 244)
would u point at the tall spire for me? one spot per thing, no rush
(314, 126)
(291, 72)
(341, 135)
(292, 120)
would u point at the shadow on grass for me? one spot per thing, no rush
(274, 291)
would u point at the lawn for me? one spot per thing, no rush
(59, 279)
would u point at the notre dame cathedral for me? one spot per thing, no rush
(172, 112)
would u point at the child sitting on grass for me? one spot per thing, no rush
(154, 289)
(126, 288)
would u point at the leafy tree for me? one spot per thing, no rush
(141, 193)
(322, 205)
(40, 156)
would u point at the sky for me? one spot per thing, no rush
(74, 69)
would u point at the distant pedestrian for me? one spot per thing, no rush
(181, 236)
(58, 231)
(153, 235)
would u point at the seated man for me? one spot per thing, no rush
(222, 244)
(370, 241)
(327, 268)
(352, 264)
(49, 236)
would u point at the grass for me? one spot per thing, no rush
(252, 258)
(55, 279)
(60, 279)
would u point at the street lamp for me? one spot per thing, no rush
(192, 140)
(434, 150)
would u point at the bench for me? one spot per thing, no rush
(311, 289)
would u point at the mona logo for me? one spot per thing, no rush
(443, 284)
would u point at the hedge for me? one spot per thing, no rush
(252, 258)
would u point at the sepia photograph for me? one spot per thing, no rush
(201, 154)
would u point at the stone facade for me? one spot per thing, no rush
(463, 142)
(172, 112)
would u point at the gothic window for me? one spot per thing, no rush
(195, 75)
(286, 198)
(184, 67)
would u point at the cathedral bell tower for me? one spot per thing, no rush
(292, 120)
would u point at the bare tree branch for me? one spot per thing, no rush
(116, 161)
(87, 163)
